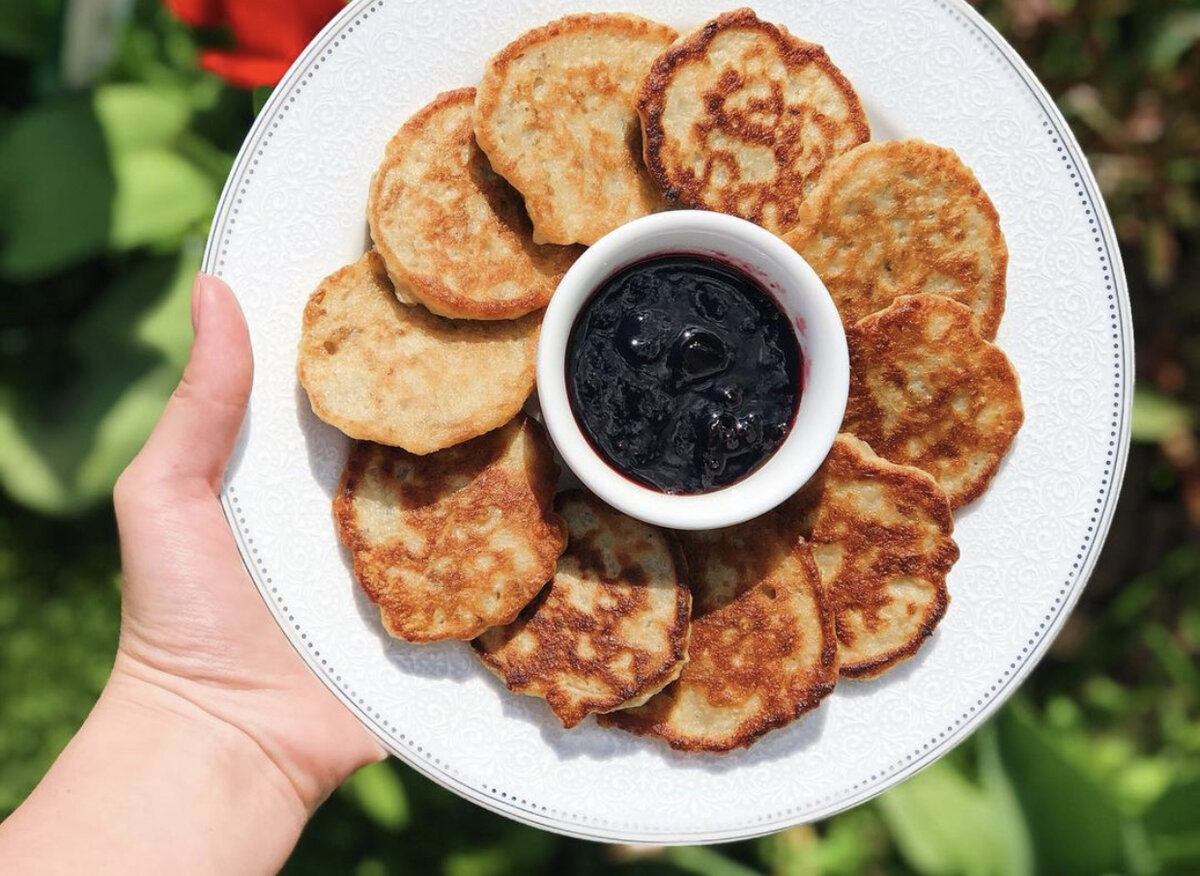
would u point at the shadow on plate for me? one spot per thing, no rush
(239, 448)
(965, 512)
(776, 745)
(590, 740)
(883, 125)
(327, 447)
(438, 660)
(454, 661)
(849, 688)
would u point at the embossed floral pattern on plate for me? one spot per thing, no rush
(293, 211)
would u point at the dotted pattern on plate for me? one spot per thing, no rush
(294, 211)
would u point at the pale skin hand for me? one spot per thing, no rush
(212, 742)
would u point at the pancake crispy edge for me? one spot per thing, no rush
(450, 229)
(555, 115)
(904, 217)
(881, 537)
(398, 375)
(452, 543)
(763, 649)
(611, 628)
(742, 117)
(927, 390)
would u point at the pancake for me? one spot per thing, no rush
(449, 229)
(742, 117)
(611, 628)
(763, 649)
(384, 372)
(880, 535)
(450, 544)
(555, 115)
(927, 390)
(902, 217)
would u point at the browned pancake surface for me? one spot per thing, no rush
(452, 543)
(899, 217)
(610, 629)
(451, 231)
(399, 375)
(763, 649)
(881, 537)
(927, 390)
(555, 114)
(741, 117)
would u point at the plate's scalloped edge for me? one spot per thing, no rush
(584, 827)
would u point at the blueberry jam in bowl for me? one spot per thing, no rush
(692, 370)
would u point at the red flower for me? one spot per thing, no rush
(269, 34)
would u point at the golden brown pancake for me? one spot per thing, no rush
(450, 544)
(927, 390)
(611, 628)
(880, 534)
(901, 217)
(398, 375)
(763, 649)
(555, 115)
(450, 230)
(741, 117)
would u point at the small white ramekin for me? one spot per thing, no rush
(810, 310)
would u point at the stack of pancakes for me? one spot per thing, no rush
(424, 351)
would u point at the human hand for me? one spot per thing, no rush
(196, 637)
(212, 742)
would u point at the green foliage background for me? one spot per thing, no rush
(113, 148)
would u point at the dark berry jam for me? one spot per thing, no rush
(683, 373)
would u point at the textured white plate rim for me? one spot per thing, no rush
(565, 823)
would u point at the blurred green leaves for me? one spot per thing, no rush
(849, 844)
(378, 792)
(945, 825)
(136, 118)
(1171, 826)
(260, 96)
(517, 852)
(117, 172)
(704, 861)
(57, 182)
(86, 177)
(1075, 824)
(58, 628)
(1179, 32)
(28, 26)
(1039, 800)
(106, 193)
(128, 352)
(159, 196)
(1156, 416)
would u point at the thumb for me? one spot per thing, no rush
(196, 433)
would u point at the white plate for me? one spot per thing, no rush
(293, 211)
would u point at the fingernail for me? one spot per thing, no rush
(197, 294)
(203, 289)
